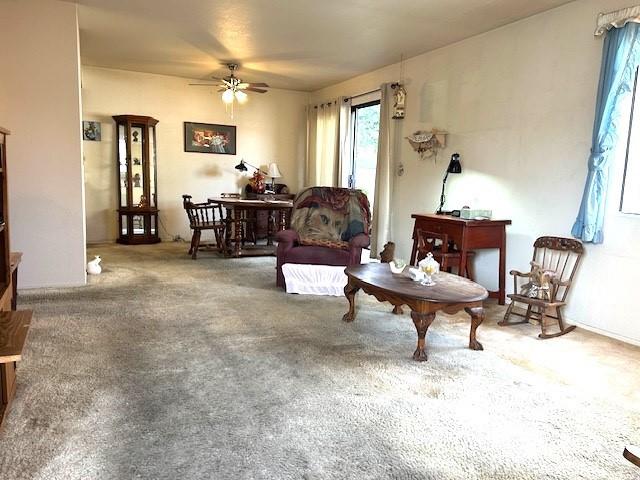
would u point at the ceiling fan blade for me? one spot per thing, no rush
(205, 84)
(244, 86)
(258, 90)
(222, 89)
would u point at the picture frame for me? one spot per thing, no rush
(91, 131)
(209, 138)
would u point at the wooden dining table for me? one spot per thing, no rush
(237, 207)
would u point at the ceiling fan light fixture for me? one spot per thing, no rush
(241, 96)
(227, 96)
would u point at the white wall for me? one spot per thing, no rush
(518, 103)
(40, 104)
(270, 128)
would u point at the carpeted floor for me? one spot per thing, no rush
(166, 368)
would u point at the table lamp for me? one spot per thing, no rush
(454, 167)
(274, 172)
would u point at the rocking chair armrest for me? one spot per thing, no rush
(558, 283)
(517, 273)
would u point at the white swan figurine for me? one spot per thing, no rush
(93, 267)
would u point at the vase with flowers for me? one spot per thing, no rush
(257, 182)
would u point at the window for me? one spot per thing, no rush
(630, 198)
(365, 121)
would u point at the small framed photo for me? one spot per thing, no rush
(209, 138)
(91, 131)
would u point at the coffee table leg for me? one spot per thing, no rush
(477, 316)
(422, 321)
(350, 291)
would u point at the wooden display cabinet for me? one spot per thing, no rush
(137, 184)
(14, 326)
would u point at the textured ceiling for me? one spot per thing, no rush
(295, 44)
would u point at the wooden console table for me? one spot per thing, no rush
(467, 235)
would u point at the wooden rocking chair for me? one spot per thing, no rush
(560, 256)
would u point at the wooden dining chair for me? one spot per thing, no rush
(556, 258)
(204, 216)
(443, 252)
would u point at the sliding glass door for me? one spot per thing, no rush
(365, 120)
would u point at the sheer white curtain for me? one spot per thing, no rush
(344, 161)
(323, 147)
(381, 227)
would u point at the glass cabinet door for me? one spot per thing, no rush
(138, 197)
(152, 166)
(122, 165)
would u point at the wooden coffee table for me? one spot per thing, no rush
(450, 294)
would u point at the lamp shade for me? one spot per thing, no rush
(241, 96)
(227, 96)
(241, 166)
(274, 171)
(454, 164)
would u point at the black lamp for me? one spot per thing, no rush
(454, 167)
(242, 167)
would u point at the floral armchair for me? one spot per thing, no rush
(329, 226)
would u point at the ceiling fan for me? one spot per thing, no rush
(233, 88)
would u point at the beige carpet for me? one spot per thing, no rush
(166, 368)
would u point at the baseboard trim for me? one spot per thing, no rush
(600, 331)
(606, 333)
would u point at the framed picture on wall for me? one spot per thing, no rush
(209, 138)
(91, 131)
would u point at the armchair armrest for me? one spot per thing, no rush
(516, 273)
(287, 236)
(359, 241)
(356, 244)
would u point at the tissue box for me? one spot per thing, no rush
(474, 212)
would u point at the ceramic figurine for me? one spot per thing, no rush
(93, 267)
(387, 253)
(416, 274)
(399, 98)
(397, 265)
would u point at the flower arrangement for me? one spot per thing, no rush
(257, 182)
